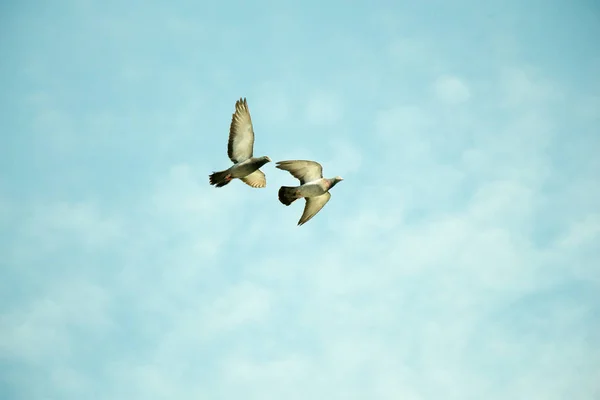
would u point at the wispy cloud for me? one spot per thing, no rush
(457, 260)
(451, 90)
(323, 109)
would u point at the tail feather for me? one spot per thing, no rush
(287, 195)
(220, 178)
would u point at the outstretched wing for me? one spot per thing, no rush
(241, 133)
(256, 179)
(303, 170)
(313, 206)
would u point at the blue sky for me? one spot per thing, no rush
(455, 261)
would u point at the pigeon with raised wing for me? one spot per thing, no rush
(240, 151)
(313, 187)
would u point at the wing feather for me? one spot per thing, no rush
(303, 170)
(256, 179)
(241, 133)
(313, 206)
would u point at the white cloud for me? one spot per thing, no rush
(241, 304)
(582, 232)
(324, 108)
(426, 277)
(589, 108)
(406, 125)
(278, 372)
(41, 331)
(55, 127)
(451, 90)
(270, 104)
(525, 87)
(49, 226)
(386, 306)
(412, 51)
(346, 158)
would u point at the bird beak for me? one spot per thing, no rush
(268, 159)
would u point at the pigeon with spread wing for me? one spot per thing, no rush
(240, 151)
(313, 187)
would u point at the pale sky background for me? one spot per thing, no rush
(455, 261)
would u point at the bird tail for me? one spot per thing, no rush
(287, 195)
(220, 178)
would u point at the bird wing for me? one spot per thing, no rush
(241, 134)
(256, 179)
(304, 170)
(313, 206)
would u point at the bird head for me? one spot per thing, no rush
(336, 180)
(263, 160)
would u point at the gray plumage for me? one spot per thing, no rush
(240, 148)
(313, 187)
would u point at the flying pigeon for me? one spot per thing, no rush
(313, 187)
(239, 149)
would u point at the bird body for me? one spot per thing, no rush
(240, 148)
(247, 171)
(313, 187)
